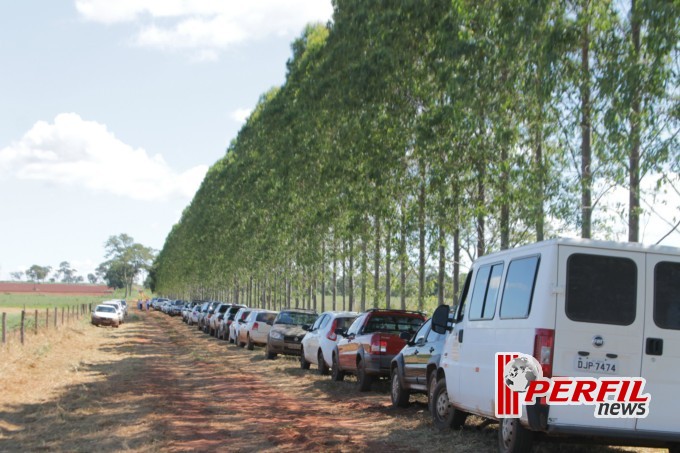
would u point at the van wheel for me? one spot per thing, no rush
(445, 416)
(432, 383)
(323, 368)
(513, 437)
(675, 448)
(336, 374)
(304, 364)
(399, 396)
(365, 380)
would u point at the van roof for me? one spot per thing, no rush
(590, 243)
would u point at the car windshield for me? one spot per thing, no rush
(296, 318)
(106, 309)
(393, 324)
(266, 317)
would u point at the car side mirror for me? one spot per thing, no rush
(406, 336)
(270, 323)
(341, 332)
(440, 319)
(306, 327)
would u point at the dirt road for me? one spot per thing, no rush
(156, 384)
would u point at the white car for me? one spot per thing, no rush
(105, 315)
(119, 308)
(256, 328)
(319, 342)
(235, 326)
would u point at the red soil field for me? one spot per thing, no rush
(54, 288)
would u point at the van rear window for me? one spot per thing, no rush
(667, 295)
(601, 289)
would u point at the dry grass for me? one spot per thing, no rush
(156, 384)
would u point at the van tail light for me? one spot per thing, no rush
(331, 335)
(544, 347)
(256, 326)
(378, 344)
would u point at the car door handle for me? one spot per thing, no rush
(654, 346)
(431, 350)
(415, 352)
(460, 336)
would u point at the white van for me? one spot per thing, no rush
(616, 304)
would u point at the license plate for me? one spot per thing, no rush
(293, 345)
(602, 366)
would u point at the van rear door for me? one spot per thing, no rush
(661, 353)
(599, 324)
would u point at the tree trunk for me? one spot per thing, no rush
(634, 159)
(505, 203)
(323, 277)
(402, 261)
(376, 264)
(421, 244)
(441, 277)
(364, 267)
(344, 274)
(539, 193)
(335, 275)
(351, 275)
(481, 206)
(586, 152)
(456, 265)
(388, 266)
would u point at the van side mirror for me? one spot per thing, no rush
(440, 319)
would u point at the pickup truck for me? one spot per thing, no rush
(371, 342)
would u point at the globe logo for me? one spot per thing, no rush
(520, 371)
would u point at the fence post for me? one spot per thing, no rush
(47, 318)
(35, 323)
(55, 318)
(23, 317)
(4, 327)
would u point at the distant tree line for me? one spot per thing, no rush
(412, 137)
(126, 260)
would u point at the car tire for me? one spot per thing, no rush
(365, 380)
(323, 366)
(241, 344)
(400, 397)
(431, 384)
(445, 416)
(513, 437)
(336, 373)
(250, 345)
(304, 364)
(269, 355)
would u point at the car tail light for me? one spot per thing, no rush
(544, 345)
(331, 335)
(256, 326)
(378, 344)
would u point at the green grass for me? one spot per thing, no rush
(42, 301)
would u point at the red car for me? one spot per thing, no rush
(371, 342)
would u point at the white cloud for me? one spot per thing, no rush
(206, 25)
(240, 115)
(75, 152)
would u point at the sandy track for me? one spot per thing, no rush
(157, 384)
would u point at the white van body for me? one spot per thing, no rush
(618, 304)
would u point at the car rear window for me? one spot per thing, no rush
(106, 309)
(393, 324)
(601, 289)
(667, 295)
(344, 323)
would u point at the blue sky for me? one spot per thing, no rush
(112, 111)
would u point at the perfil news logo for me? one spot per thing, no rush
(520, 381)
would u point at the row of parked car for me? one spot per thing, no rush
(585, 311)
